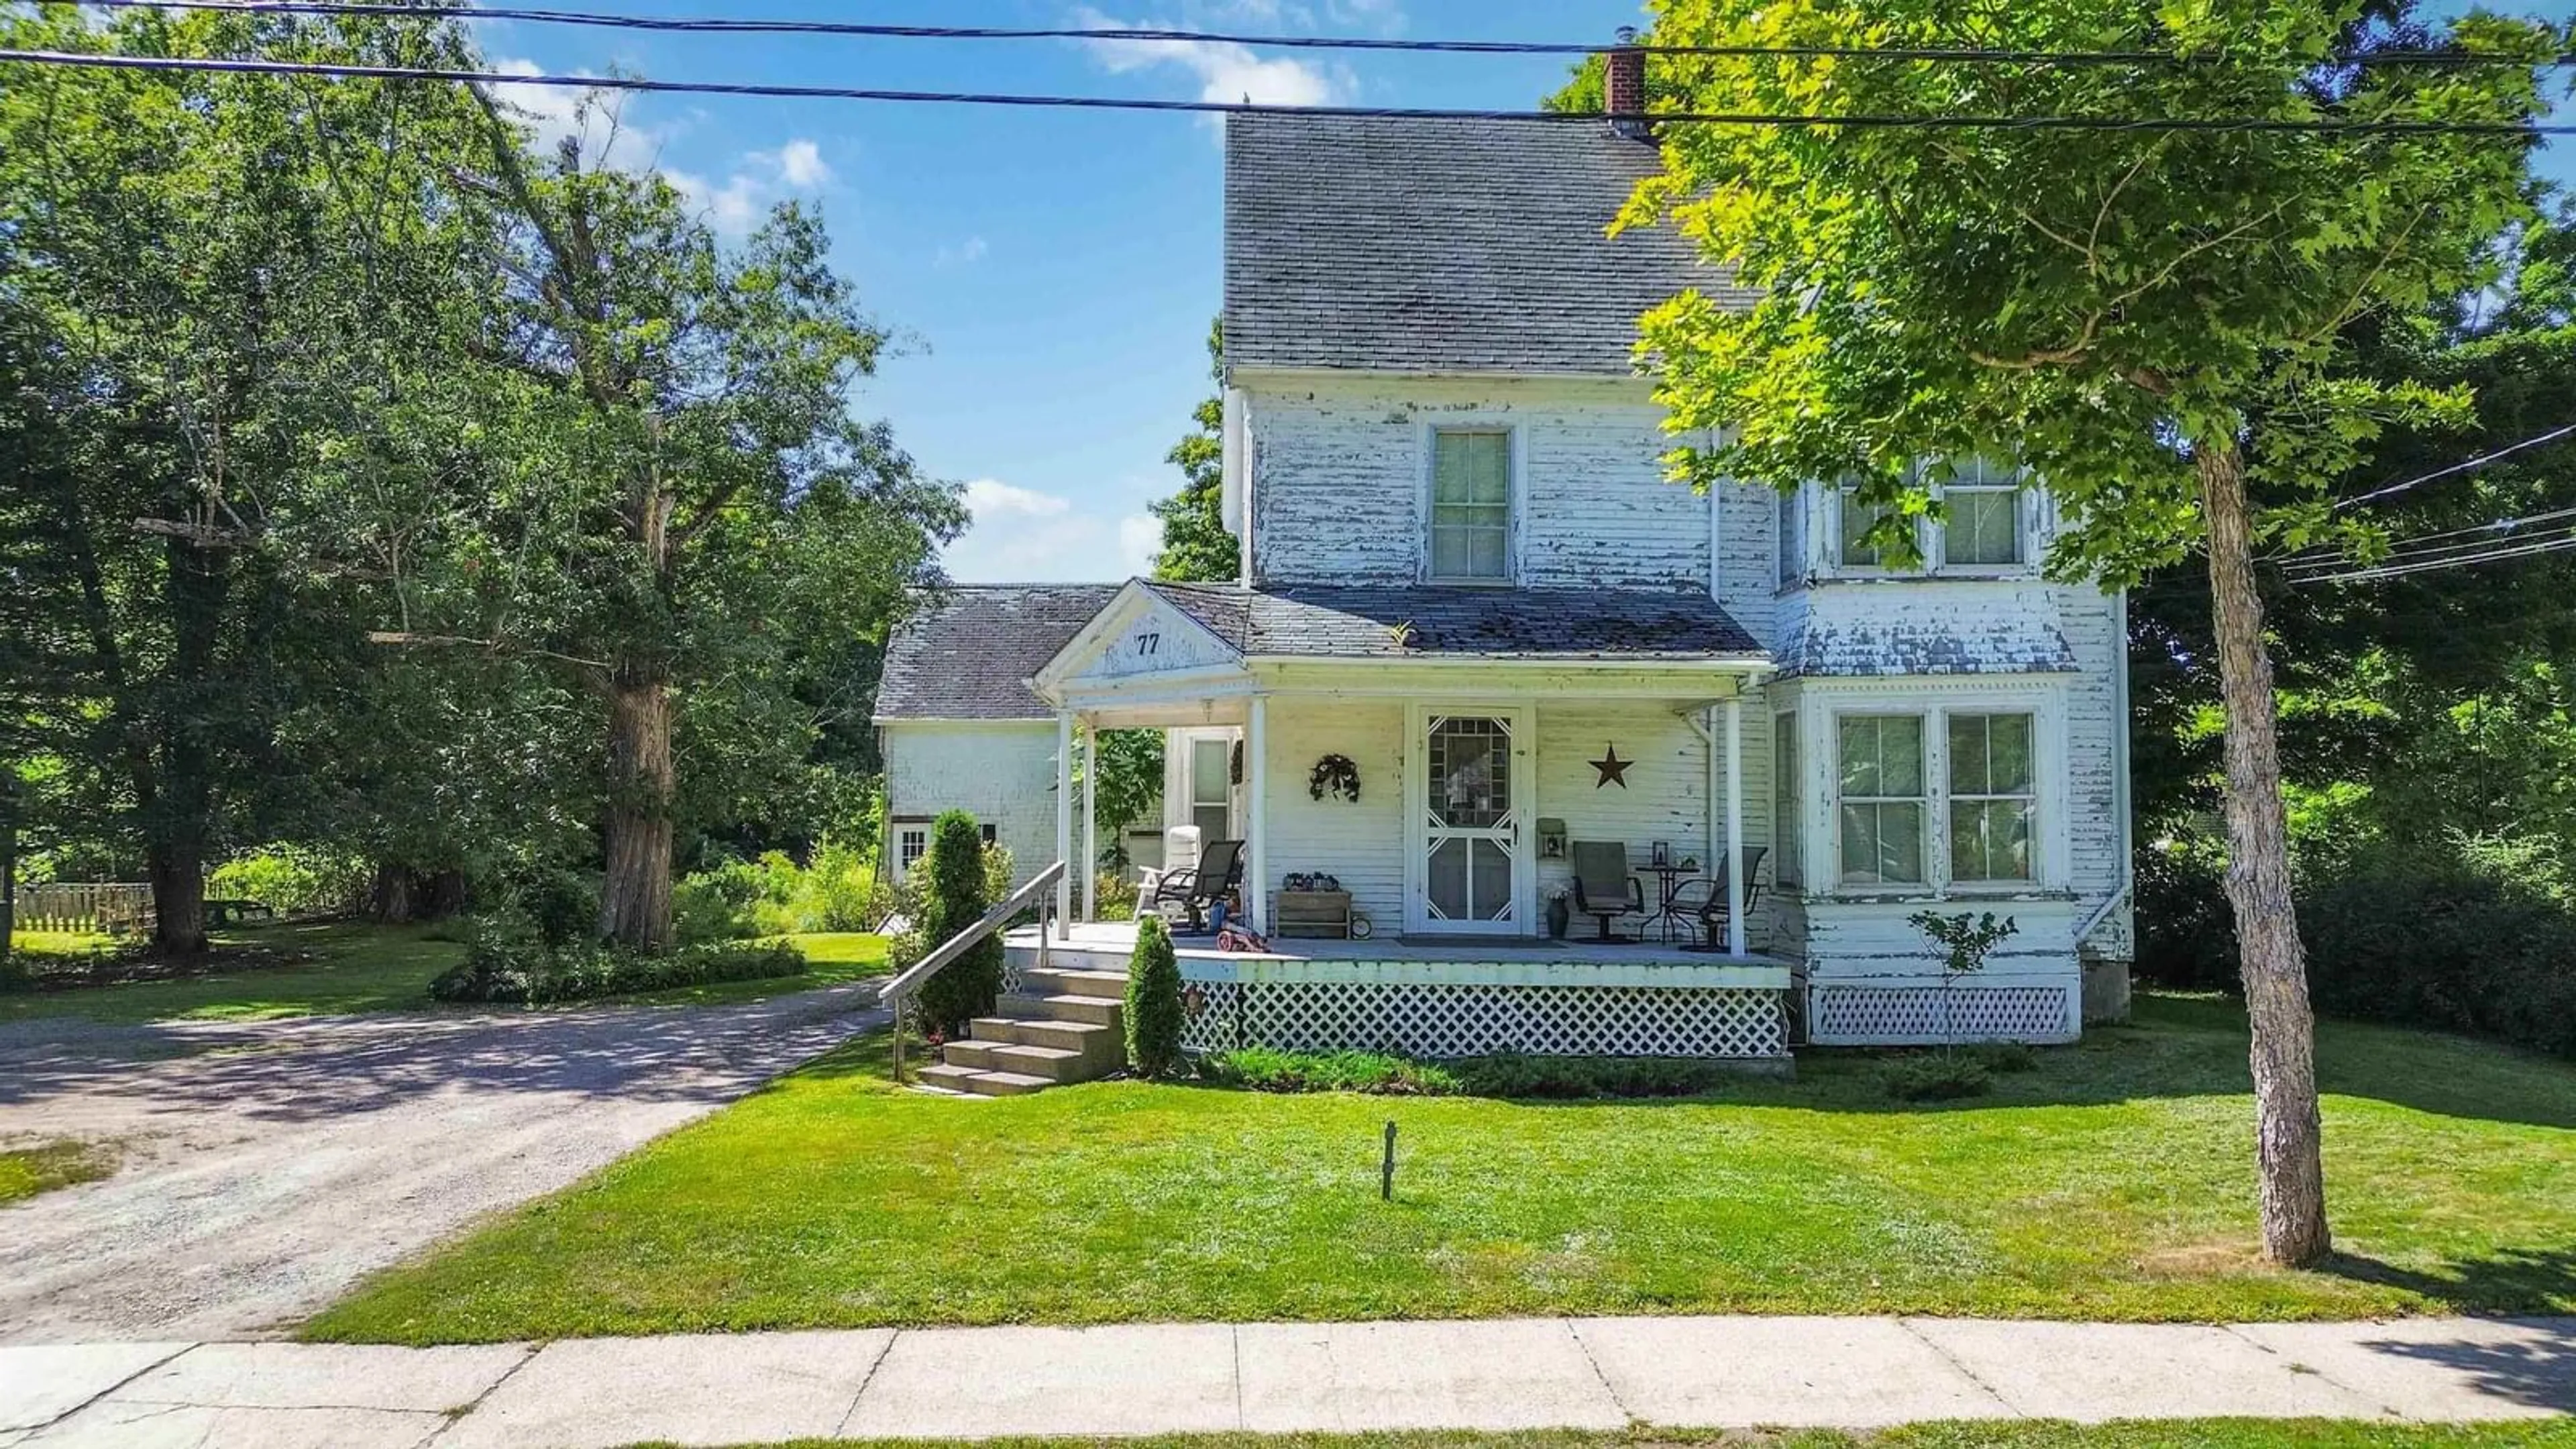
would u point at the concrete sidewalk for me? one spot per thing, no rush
(1170, 1378)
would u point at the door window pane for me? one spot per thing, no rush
(1489, 867)
(1470, 779)
(1471, 504)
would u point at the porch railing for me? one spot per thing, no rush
(899, 992)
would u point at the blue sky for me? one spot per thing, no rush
(1052, 273)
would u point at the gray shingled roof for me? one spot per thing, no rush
(1410, 245)
(967, 651)
(1361, 623)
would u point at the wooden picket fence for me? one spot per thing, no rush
(103, 908)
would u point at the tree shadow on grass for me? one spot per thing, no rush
(2509, 1280)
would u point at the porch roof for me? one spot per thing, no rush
(1400, 622)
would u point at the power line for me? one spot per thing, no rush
(2480, 461)
(2320, 562)
(2375, 573)
(729, 25)
(338, 70)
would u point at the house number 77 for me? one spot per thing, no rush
(1148, 644)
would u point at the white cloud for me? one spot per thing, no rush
(1023, 535)
(800, 164)
(597, 119)
(1140, 537)
(964, 253)
(991, 498)
(737, 204)
(1225, 71)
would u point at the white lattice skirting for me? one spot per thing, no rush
(1438, 1020)
(1927, 1015)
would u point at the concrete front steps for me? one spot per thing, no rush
(1062, 1025)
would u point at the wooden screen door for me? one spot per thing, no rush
(1468, 873)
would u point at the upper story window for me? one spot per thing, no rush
(1984, 530)
(1471, 505)
(1984, 527)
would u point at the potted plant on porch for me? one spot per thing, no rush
(1560, 909)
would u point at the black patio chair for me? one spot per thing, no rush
(1603, 888)
(1194, 888)
(1705, 898)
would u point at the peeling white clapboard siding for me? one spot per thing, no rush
(1341, 469)
(1666, 797)
(1002, 773)
(1360, 843)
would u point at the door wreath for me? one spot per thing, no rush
(1336, 776)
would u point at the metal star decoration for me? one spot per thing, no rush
(1614, 771)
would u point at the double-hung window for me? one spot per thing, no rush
(1883, 802)
(911, 843)
(1471, 505)
(1211, 789)
(1854, 548)
(1965, 778)
(1983, 527)
(1993, 802)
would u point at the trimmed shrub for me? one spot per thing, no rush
(515, 968)
(2005, 1057)
(2440, 944)
(1942, 1078)
(1154, 1016)
(956, 891)
(1260, 1069)
(1515, 1074)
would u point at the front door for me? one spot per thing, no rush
(1467, 874)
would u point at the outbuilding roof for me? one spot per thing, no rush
(1408, 244)
(1410, 622)
(968, 650)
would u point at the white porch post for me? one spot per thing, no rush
(1090, 823)
(1256, 871)
(1735, 826)
(1064, 821)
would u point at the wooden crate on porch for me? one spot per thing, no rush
(1315, 915)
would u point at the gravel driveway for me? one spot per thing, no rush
(268, 1166)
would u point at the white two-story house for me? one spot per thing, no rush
(1465, 574)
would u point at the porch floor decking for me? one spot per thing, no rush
(1118, 939)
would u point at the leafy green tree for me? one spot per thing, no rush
(1131, 781)
(198, 270)
(2149, 320)
(1196, 545)
(1153, 1014)
(955, 894)
(667, 497)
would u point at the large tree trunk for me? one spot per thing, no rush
(635, 900)
(2287, 1130)
(179, 821)
(392, 905)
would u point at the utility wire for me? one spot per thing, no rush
(2426, 545)
(2373, 574)
(2480, 461)
(728, 25)
(95, 61)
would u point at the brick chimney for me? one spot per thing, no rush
(1623, 90)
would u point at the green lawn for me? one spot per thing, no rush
(2159, 1434)
(357, 967)
(2115, 1182)
(27, 1171)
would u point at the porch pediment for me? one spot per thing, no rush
(1138, 638)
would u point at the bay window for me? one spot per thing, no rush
(1937, 798)
(1983, 527)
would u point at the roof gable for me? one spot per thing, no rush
(968, 651)
(1413, 244)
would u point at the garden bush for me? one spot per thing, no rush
(503, 965)
(294, 880)
(1260, 1069)
(2005, 1057)
(1941, 1077)
(1154, 1016)
(2447, 941)
(955, 892)
(1517, 1074)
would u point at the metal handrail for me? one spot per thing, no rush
(1039, 892)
